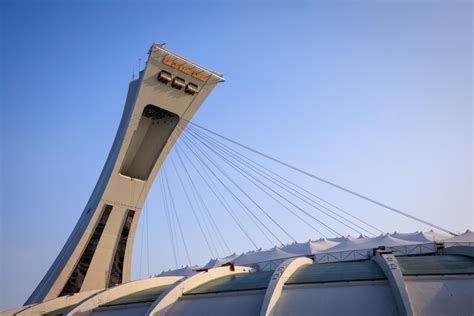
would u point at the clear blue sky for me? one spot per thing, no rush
(373, 95)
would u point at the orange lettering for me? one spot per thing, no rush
(200, 76)
(185, 70)
(170, 62)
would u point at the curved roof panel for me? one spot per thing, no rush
(337, 272)
(148, 295)
(239, 282)
(436, 265)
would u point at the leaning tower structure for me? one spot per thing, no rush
(98, 252)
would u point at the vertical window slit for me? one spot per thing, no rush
(116, 274)
(76, 279)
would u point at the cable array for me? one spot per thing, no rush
(216, 178)
(330, 183)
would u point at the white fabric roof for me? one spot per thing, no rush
(466, 237)
(339, 239)
(213, 263)
(309, 247)
(184, 271)
(261, 256)
(421, 236)
(332, 245)
(369, 243)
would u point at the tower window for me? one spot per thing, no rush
(116, 274)
(191, 88)
(178, 83)
(148, 140)
(76, 279)
(164, 76)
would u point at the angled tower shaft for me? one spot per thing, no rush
(98, 252)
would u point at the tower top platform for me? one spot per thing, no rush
(182, 64)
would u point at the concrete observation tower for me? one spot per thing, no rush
(98, 252)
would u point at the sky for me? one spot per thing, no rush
(375, 96)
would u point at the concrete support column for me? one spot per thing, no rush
(279, 277)
(389, 265)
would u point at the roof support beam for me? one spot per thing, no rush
(86, 307)
(389, 265)
(57, 303)
(15, 310)
(164, 302)
(279, 277)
